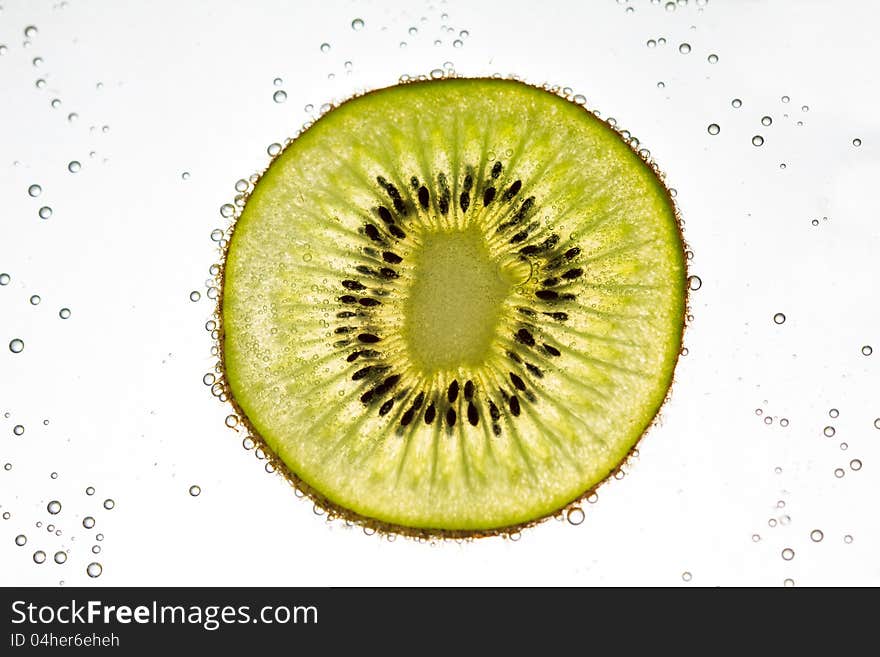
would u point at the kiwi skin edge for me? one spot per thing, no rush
(334, 511)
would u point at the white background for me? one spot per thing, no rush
(188, 86)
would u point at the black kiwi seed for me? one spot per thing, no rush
(572, 252)
(469, 390)
(553, 351)
(512, 355)
(417, 402)
(353, 285)
(512, 191)
(430, 414)
(472, 415)
(383, 410)
(559, 316)
(514, 406)
(369, 302)
(443, 201)
(488, 195)
(452, 393)
(496, 169)
(450, 417)
(549, 282)
(385, 215)
(423, 197)
(517, 382)
(571, 274)
(494, 413)
(387, 272)
(368, 338)
(391, 257)
(547, 295)
(348, 298)
(535, 370)
(525, 337)
(373, 233)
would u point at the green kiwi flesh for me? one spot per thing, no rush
(453, 306)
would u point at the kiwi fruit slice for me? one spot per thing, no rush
(453, 307)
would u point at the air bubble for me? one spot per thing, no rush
(227, 210)
(838, 472)
(757, 140)
(96, 549)
(816, 536)
(6, 515)
(274, 149)
(39, 556)
(5, 278)
(64, 313)
(694, 283)
(661, 85)
(580, 99)
(844, 446)
(30, 31)
(736, 102)
(651, 43)
(45, 212)
(357, 24)
(436, 73)
(785, 99)
(714, 129)
(829, 431)
(788, 582)
(766, 120)
(195, 295)
(35, 299)
(855, 465)
(60, 557)
(325, 47)
(847, 539)
(686, 576)
(783, 422)
(833, 413)
(54, 507)
(195, 490)
(788, 554)
(856, 142)
(279, 96)
(756, 538)
(779, 318)
(56, 103)
(877, 423)
(684, 48)
(35, 190)
(713, 59)
(74, 166)
(20, 540)
(109, 504)
(575, 515)
(94, 569)
(867, 350)
(73, 116)
(18, 430)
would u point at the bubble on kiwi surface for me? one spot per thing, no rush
(458, 322)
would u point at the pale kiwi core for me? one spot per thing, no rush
(453, 308)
